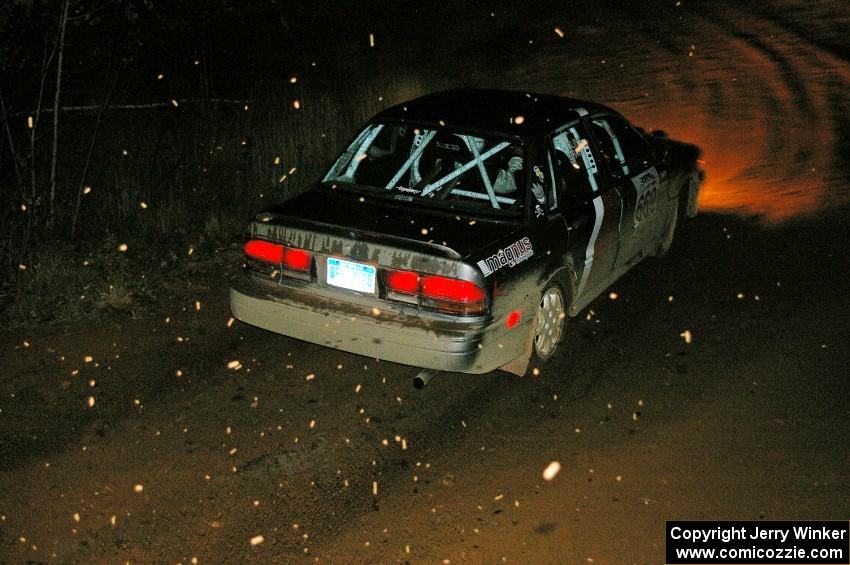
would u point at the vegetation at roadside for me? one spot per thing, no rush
(108, 142)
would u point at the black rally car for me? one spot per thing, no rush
(460, 230)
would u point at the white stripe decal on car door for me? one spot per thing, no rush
(591, 244)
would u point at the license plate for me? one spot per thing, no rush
(350, 275)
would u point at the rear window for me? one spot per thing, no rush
(434, 167)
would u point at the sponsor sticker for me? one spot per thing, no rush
(509, 256)
(539, 174)
(646, 186)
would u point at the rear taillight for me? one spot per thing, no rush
(453, 295)
(405, 282)
(402, 286)
(294, 262)
(296, 259)
(264, 251)
(438, 293)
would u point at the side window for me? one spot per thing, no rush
(623, 148)
(574, 169)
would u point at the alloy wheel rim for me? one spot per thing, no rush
(550, 322)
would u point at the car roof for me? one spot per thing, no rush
(492, 110)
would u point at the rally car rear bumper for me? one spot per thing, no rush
(379, 329)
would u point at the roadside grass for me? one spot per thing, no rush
(66, 283)
(62, 283)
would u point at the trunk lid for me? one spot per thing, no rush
(337, 223)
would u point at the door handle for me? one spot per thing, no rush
(576, 223)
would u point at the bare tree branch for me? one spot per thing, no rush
(63, 21)
(15, 156)
(33, 127)
(104, 105)
(93, 11)
(151, 106)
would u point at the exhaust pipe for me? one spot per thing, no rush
(424, 376)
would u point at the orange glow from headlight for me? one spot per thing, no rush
(741, 177)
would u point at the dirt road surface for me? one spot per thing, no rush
(712, 384)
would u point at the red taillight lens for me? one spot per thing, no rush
(453, 295)
(434, 292)
(443, 288)
(264, 251)
(296, 259)
(268, 252)
(405, 282)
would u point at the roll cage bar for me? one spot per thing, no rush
(358, 151)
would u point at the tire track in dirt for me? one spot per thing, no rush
(770, 127)
(764, 102)
(796, 158)
(47, 398)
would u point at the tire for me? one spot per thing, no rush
(550, 325)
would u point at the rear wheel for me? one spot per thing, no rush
(551, 321)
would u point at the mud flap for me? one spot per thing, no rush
(669, 229)
(693, 193)
(519, 365)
